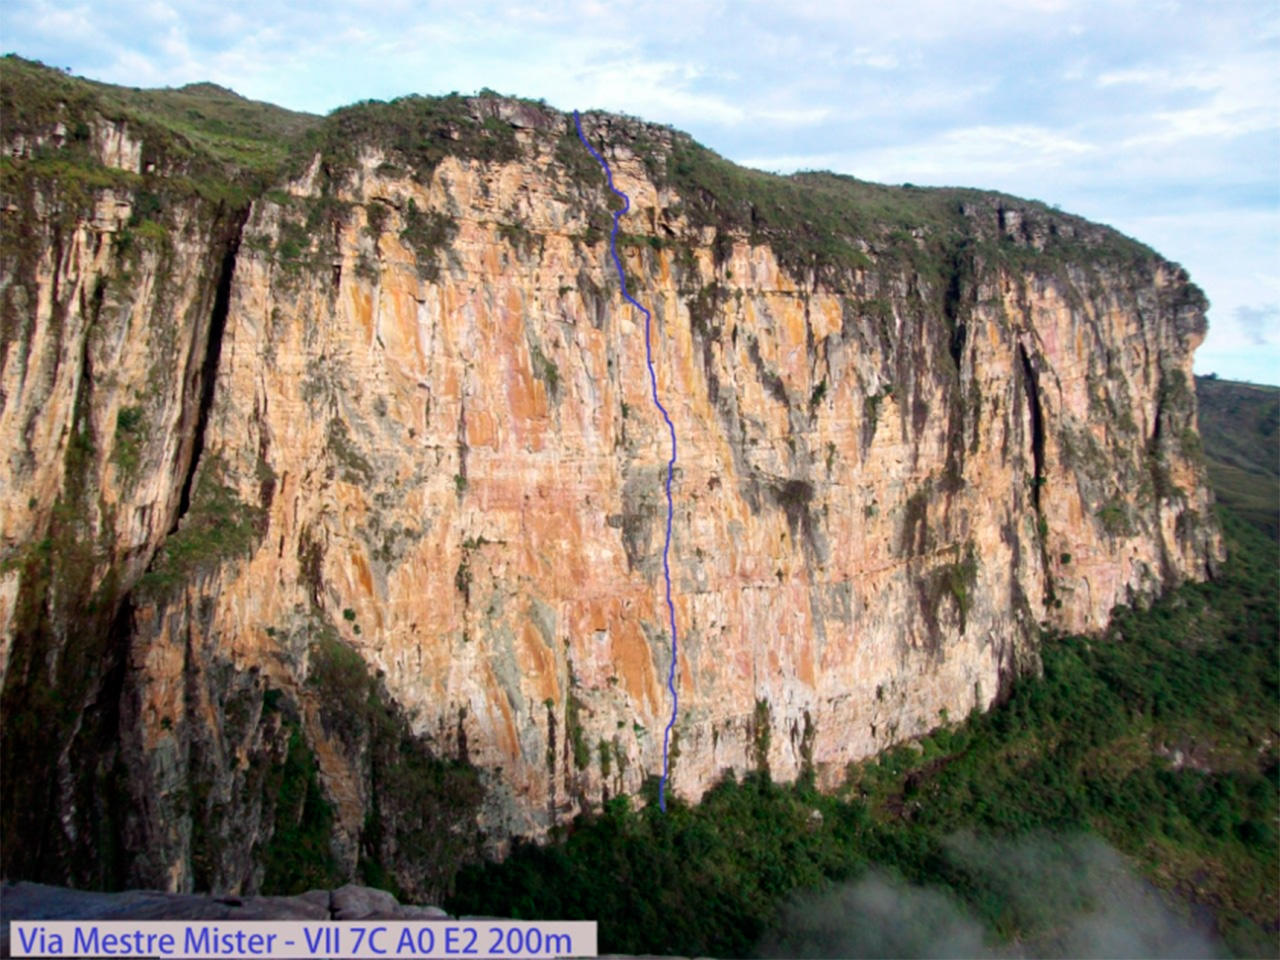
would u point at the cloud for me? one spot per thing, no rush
(876, 917)
(1234, 99)
(869, 57)
(1065, 896)
(1151, 77)
(995, 150)
(1260, 324)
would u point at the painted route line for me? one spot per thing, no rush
(671, 464)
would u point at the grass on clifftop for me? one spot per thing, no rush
(826, 224)
(822, 226)
(1161, 738)
(242, 133)
(200, 119)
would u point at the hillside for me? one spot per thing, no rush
(332, 510)
(200, 120)
(1239, 423)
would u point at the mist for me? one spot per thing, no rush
(1041, 896)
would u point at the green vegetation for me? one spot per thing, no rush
(416, 132)
(1092, 746)
(306, 243)
(150, 232)
(521, 239)
(705, 310)
(545, 369)
(815, 398)
(762, 734)
(62, 643)
(1088, 746)
(643, 240)
(206, 140)
(577, 163)
(428, 234)
(241, 133)
(199, 139)
(355, 468)
(421, 820)
(130, 435)
(955, 580)
(1238, 427)
(1114, 517)
(577, 735)
(217, 527)
(828, 225)
(870, 418)
(462, 576)
(376, 216)
(298, 856)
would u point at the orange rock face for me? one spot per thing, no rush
(453, 463)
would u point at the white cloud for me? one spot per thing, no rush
(874, 58)
(1238, 98)
(1162, 76)
(981, 155)
(788, 117)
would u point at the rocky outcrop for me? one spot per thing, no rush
(334, 510)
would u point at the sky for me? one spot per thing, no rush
(1159, 118)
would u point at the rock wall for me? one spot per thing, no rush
(402, 410)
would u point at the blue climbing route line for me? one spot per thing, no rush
(671, 464)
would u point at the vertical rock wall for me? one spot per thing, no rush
(404, 412)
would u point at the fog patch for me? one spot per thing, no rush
(1054, 896)
(876, 917)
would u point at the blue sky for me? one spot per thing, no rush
(1160, 118)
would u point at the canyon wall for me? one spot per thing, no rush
(319, 484)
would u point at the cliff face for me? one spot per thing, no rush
(396, 405)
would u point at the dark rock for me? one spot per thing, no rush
(409, 912)
(361, 903)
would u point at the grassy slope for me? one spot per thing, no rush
(201, 119)
(1240, 428)
(240, 132)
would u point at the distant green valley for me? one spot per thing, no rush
(1240, 429)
